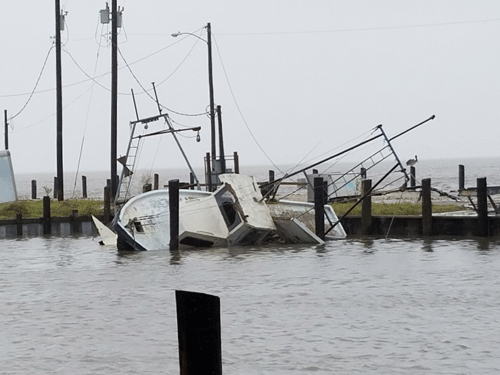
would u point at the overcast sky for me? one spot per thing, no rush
(295, 79)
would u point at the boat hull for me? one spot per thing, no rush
(233, 215)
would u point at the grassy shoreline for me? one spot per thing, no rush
(34, 208)
(87, 207)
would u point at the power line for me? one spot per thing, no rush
(362, 28)
(36, 84)
(239, 110)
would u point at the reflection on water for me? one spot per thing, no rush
(352, 306)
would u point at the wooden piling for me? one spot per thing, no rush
(56, 187)
(33, 189)
(191, 181)
(482, 208)
(461, 177)
(156, 181)
(173, 204)
(426, 207)
(236, 163)
(6, 129)
(222, 158)
(76, 226)
(19, 224)
(199, 333)
(366, 207)
(107, 204)
(319, 207)
(362, 172)
(84, 187)
(209, 172)
(47, 224)
(413, 176)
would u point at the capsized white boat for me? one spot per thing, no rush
(295, 221)
(235, 214)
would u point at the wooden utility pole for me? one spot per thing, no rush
(60, 179)
(211, 88)
(114, 95)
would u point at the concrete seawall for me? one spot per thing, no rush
(412, 226)
(59, 226)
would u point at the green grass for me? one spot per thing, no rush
(394, 209)
(34, 208)
(87, 207)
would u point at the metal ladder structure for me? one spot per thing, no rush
(129, 160)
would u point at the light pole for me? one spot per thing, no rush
(210, 86)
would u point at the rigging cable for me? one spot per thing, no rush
(147, 91)
(239, 110)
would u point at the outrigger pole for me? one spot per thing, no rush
(278, 181)
(361, 199)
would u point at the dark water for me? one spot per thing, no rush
(70, 306)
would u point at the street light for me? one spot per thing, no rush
(210, 85)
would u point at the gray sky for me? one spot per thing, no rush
(302, 77)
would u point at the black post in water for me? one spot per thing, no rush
(191, 180)
(76, 224)
(6, 130)
(222, 158)
(84, 186)
(56, 187)
(47, 225)
(19, 224)
(209, 173)
(107, 204)
(236, 163)
(366, 207)
(482, 208)
(271, 176)
(199, 333)
(319, 207)
(173, 205)
(426, 207)
(33, 189)
(461, 177)
(156, 181)
(413, 176)
(362, 172)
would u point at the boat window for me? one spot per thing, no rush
(138, 227)
(226, 206)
